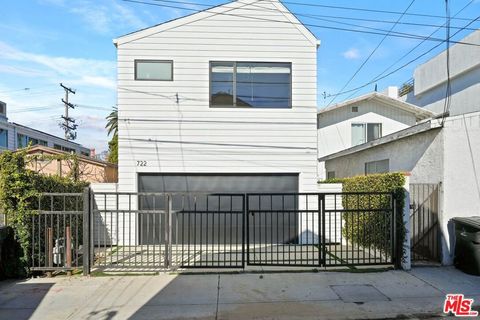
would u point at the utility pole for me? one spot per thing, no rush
(68, 125)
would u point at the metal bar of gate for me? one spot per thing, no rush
(86, 233)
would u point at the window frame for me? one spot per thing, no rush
(376, 163)
(234, 83)
(136, 61)
(6, 138)
(365, 131)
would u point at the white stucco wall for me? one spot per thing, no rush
(418, 154)
(461, 187)
(431, 79)
(450, 155)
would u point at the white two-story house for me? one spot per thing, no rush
(361, 120)
(224, 100)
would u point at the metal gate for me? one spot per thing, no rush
(425, 229)
(321, 229)
(164, 231)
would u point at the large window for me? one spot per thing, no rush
(3, 138)
(381, 166)
(251, 84)
(24, 141)
(154, 70)
(365, 132)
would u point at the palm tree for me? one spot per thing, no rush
(112, 122)
(112, 126)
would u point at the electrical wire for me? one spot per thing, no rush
(371, 53)
(413, 49)
(406, 36)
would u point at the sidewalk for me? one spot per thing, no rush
(324, 295)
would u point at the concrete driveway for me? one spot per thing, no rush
(325, 295)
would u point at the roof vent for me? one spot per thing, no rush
(3, 110)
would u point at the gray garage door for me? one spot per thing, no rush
(196, 215)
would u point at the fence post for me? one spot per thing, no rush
(168, 231)
(394, 233)
(323, 225)
(86, 231)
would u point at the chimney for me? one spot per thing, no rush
(92, 153)
(391, 92)
(3, 111)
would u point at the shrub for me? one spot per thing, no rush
(372, 229)
(19, 192)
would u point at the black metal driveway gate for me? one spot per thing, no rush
(162, 231)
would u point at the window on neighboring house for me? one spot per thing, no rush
(381, 166)
(25, 141)
(66, 149)
(250, 84)
(154, 70)
(331, 175)
(84, 153)
(365, 132)
(3, 138)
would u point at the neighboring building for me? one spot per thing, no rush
(89, 169)
(15, 136)
(219, 102)
(447, 155)
(363, 119)
(430, 80)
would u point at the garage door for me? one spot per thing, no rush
(221, 204)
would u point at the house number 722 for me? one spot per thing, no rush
(141, 163)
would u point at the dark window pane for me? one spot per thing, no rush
(3, 138)
(222, 84)
(264, 85)
(249, 84)
(374, 131)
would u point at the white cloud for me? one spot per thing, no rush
(99, 73)
(104, 17)
(351, 54)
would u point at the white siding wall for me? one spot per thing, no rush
(189, 137)
(335, 127)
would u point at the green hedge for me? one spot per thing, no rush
(19, 191)
(370, 229)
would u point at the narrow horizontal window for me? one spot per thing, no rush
(381, 166)
(154, 70)
(251, 84)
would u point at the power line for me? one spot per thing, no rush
(369, 10)
(394, 34)
(309, 15)
(413, 49)
(402, 66)
(372, 53)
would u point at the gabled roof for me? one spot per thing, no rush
(420, 113)
(410, 131)
(226, 9)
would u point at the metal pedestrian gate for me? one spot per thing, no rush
(165, 231)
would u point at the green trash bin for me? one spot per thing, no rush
(467, 247)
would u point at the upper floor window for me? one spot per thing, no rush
(24, 141)
(66, 149)
(365, 132)
(381, 166)
(251, 84)
(3, 138)
(154, 70)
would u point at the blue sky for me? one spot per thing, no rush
(44, 42)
